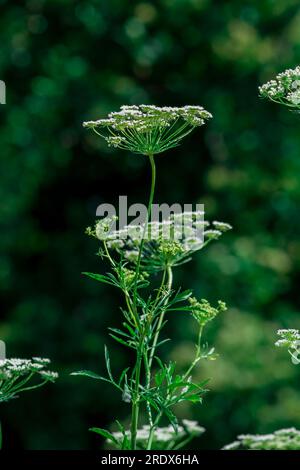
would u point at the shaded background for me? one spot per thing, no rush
(69, 61)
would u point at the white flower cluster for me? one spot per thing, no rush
(285, 89)
(149, 129)
(284, 439)
(166, 242)
(15, 373)
(165, 435)
(144, 118)
(288, 338)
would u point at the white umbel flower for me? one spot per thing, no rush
(148, 129)
(284, 89)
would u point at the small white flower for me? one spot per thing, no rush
(284, 89)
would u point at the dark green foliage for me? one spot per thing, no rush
(65, 62)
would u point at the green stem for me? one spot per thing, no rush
(108, 255)
(149, 208)
(152, 430)
(186, 375)
(127, 298)
(157, 295)
(148, 379)
(197, 356)
(161, 318)
(136, 398)
(152, 352)
(147, 368)
(33, 387)
(135, 402)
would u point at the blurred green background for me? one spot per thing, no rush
(68, 61)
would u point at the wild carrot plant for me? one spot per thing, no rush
(138, 255)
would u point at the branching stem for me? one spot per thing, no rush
(136, 397)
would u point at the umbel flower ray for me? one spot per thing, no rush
(167, 243)
(149, 129)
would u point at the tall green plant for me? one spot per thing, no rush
(137, 255)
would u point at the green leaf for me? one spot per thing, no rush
(100, 278)
(172, 418)
(122, 376)
(152, 402)
(105, 434)
(89, 373)
(180, 384)
(193, 398)
(119, 340)
(159, 377)
(161, 365)
(203, 384)
(162, 342)
(126, 441)
(119, 332)
(107, 361)
(131, 331)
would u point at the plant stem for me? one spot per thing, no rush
(186, 375)
(147, 368)
(197, 356)
(135, 402)
(149, 208)
(161, 318)
(127, 298)
(152, 352)
(136, 398)
(151, 435)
